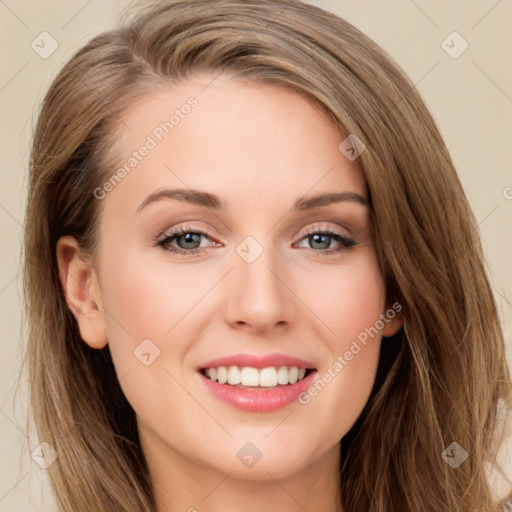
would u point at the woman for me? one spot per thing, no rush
(192, 347)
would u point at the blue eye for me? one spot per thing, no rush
(324, 239)
(186, 241)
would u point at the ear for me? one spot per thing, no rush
(394, 319)
(81, 288)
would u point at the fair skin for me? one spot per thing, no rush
(259, 148)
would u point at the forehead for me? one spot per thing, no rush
(246, 141)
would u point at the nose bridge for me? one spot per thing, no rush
(257, 295)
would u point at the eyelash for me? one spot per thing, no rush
(346, 242)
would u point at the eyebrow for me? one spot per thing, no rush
(213, 201)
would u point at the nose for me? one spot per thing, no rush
(258, 296)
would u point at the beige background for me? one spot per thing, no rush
(470, 97)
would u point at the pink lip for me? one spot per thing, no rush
(258, 400)
(258, 361)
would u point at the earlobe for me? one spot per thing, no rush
(81, 288)
(393, 324)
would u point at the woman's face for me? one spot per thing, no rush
(246, 289)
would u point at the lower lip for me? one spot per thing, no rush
(258, 400)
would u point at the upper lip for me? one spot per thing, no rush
(261, 361)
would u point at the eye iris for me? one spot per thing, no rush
(190, 238)
(317, 238)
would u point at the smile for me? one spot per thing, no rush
(248, 376)
(257, 383)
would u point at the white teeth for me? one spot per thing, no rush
(268, 377)
(282, 375)
(249, 376)
(234, 375)
(293, 375)
(222, 374)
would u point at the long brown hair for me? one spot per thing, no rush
(440, 379)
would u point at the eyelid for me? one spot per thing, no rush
(186, 229)
(324, 229)
(179, 231)
(346, 241)
(209, 232)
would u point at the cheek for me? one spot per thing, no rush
(146, 300)
(146, 311)
(348, 298)
(352, 309)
